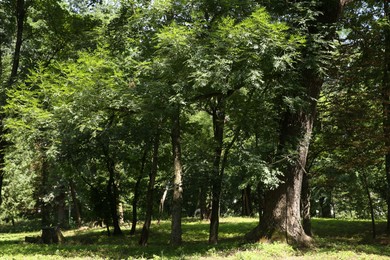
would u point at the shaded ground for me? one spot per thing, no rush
(335, 239)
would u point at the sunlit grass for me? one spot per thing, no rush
(334, 239)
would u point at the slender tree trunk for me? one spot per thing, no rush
(75, 203)
(246, 201)
(363, 178)
(386, 106)
(306, 205)
(112, 191)
(218, 115)
(137, 192)
(150, 194)
(162, 202)
(45, 212)
(20, 14)
(176, 233)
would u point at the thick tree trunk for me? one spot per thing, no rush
(137, 192)
(386, 107)
(282, 215)
(306, 205)
(76, 208)
(20, 14)
(150, 193)
(176, 233)
(218, 115)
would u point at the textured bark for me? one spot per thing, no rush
(282, 214)
(177, 199)
(150, 193)
(218, 115)
(386, 107)
(306, 218)
(137, 191)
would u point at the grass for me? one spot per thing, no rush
(335, 239)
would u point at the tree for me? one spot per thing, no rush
(282, 214)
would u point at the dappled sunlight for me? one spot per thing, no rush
(334, 239)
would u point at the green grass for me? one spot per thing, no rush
(334, 239)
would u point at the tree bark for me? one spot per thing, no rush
(150, 193)
(112, 191)
(44, 178)
(386, 107)
(137, 192)
(246, 201)
(61, 210)
(162, 202)
(176, 232)
(282, 215)
(20, 14)
(218, 114)
(306, 205)
(363, 178)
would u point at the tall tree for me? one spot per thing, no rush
(282, 214)
(386, 103)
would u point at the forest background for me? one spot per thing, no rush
(116, 111)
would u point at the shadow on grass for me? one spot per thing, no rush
(331, 236)
(335, 235)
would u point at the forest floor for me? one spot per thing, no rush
(334, 239)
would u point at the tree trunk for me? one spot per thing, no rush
(112, 190)
(61, 210)
(75, 203)
(20, 14)
(137, 192)
(282, 216)
(386, 106)
(202, 197)
(306, 205)
(45, 211)
(150, 194)
(176, 232)
(218, 114)
(112, 193)
(246, 201)
(363, 178)
(162, 203)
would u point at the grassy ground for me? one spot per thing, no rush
(335, 239)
